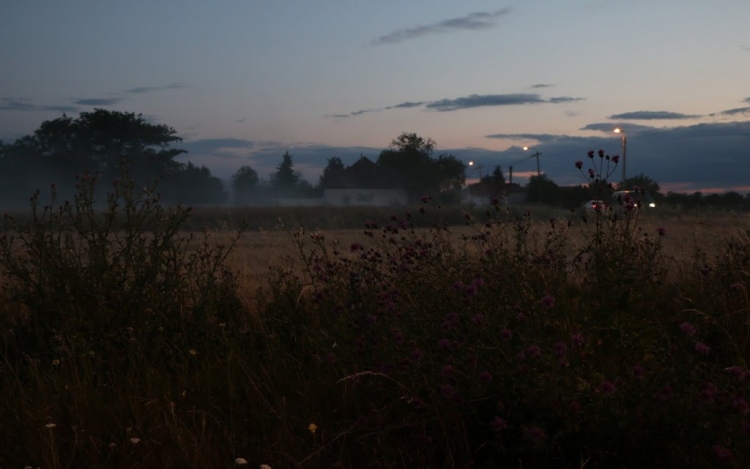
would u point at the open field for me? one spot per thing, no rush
(458, 346)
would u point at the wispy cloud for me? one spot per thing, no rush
(406, 105)
(470, 22)
(97, 101)
(479, 100)
(609, 127)
(735, 111)
(23, 104)
(148, 89)
(652, 115)
(468, 102)
(564, 99)
(16, 104)
(542, 85)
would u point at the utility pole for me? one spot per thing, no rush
(510, 174)
(536, 154)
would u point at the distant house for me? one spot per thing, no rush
(363, 184)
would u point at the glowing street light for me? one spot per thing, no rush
(624, 150)
(537, 154)
(479, 167)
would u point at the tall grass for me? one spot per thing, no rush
(126, 344)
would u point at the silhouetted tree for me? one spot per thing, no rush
(284, 181)
(333, 174)
(102, 141)
(642, 182)
(542, 189)
(408, 164)
(245, 184)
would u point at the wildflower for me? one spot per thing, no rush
(590, 153)
(331, 358)
(444, 343)
(688, 328)
(447, 371)
(416, 355)
(506, 334)
(498, 424)
(607, 387)
(740, 405)
(135, 440)
(638, 372)
(560, 348)
(722, 452)
(312, 427)
(592, 173)
(355, 246)
(535, 433)
(577, 339)
(616, 159)
(447, 391)
(548, 301)
(426, 199)
(736, 372)
(240, 461)
(661, 230)
(735, 287)
(579, 164)
(485, 376)
(702, 348)
(478, 319)
(534, 351)
(495, 201)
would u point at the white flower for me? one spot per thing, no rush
(240, 461)
(135, 440)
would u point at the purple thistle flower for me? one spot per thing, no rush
(577, 339)
(534, 351)
(548, 301)
(661, 230)
(560, 348)
(702, 348)
(355, 246)
(506, 334)
(498, 424)
(535, 433)
(688, 328)
(616, 159)
(447, 391)
(417, 355)
(607, 387)
(723, 453)
(590, 153)
(579, 164)
(447, 371)
(485, 376)
(444, 343)
(478, 318)
(638, 372)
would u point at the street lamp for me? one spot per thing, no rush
(624, 150)
(479, 167)
(537, 154)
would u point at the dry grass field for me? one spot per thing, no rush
(258, 249)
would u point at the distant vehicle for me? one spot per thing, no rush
(595, 206)
(637, 197)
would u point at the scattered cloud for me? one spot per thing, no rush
(470, 22)
(241, 121)
(16, 104)
(652, 115)
(22, 104)
(410, 104)
(478, 100)
(542, 85)
(353, 113)
(608, 127)
(735, 111)
(148, 89)
(564, 99)
(97, 101)
(572, 113)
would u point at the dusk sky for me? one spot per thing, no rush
(242, 81)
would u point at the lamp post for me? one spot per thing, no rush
(479, 167)
(624, 151)
(537, 154)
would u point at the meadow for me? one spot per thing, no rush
(417, 337)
